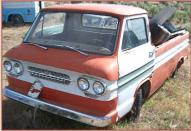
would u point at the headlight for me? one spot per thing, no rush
(18, 68)
(98, 88)
(8, 66)
(83, 84)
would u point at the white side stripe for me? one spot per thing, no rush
(169, 54)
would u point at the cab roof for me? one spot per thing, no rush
(114, 9)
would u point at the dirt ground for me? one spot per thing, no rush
(168, 108)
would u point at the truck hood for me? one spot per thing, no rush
(101, 66)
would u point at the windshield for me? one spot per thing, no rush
(85, 32)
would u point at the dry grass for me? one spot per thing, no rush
(168, 108)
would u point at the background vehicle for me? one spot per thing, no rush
(20, 12)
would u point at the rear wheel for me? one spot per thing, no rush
(135, 111)
(173, 75)
(16, 19)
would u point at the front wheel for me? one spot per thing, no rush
(135, 111)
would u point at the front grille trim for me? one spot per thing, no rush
(49, 75)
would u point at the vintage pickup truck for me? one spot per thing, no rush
(94, 63)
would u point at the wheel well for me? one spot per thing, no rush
(9, 17)
(146, 88)
(180, 62)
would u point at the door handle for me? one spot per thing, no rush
(151, 54)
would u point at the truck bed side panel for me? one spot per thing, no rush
(167, 57)
(170, 44)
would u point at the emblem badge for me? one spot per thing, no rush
(35, 89)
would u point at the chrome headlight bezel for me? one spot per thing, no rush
(102, 85)
(18, 66)
(11, 66)
(15, 66)
(81, 79)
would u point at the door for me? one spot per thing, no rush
(136, 53)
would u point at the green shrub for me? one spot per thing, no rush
(180, 18)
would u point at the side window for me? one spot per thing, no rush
(135, 33)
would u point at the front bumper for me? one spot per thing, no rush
(78, 116)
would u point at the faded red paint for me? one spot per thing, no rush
(118, 10)
(70, 101)
(170, 44)
(165, 70)
(96, 65)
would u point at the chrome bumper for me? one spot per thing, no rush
(81, 117)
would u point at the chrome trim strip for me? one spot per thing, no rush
(137, 79)
(74, 115)
(170, 53)
(136, 73)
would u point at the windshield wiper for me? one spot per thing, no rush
(72, 48)
(63, 46)
(35, 44)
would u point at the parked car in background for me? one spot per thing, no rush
(20, 12)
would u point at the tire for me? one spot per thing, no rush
(173, 75)
(135, 111)
(17, 20)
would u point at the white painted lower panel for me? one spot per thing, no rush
(127, 91)
(124, 108)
